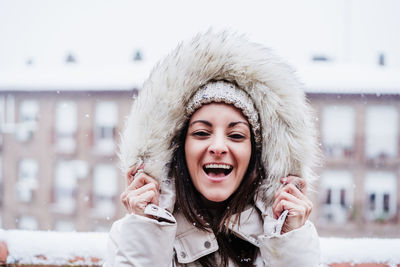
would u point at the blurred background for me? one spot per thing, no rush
(69, 69)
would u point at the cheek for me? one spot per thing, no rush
(244, 155)
(191, 154)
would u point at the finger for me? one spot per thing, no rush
(299, 198)
(147, 187)
(305, 203)
(293, 190)
(139, 203)
(300, 183)
(130, 197)
(132, 172)
(141, 180)
(153, 198)
(124, 200)
(279, 208)
(283, 195)
(293, 185)
(294, 209)
(123, 197)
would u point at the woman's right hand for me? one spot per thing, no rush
(141, 190)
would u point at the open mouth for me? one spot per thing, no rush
(217, 170)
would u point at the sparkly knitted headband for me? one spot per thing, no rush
(222, 91)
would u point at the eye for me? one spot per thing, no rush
(236, 136)
(200, 134)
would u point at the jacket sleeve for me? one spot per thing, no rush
(298, 247)
(140, 241)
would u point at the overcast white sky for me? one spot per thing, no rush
(101, 32)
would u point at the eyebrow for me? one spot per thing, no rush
(230, 125)
(233, 124)
(201, 121)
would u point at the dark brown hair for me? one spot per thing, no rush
(189, 202)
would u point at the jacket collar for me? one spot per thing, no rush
(192, 243)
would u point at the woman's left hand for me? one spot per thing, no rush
(292, 197)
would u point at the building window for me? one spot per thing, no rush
(106, 119)
(10, 110)
(66, 127)
(7, 113)
(1, 182)
(101, 228)
(2, 117)
(65, 187)
(28, 119)
(381, 132)
(338, 130)
(337, 195)
(26, 222)
(64, 226)
(2, 110)
(27, 179)
(105, 188)
(380, 188)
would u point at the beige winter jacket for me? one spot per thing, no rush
(140, 241)
(158, 114)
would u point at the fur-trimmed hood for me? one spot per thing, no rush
(158, 113)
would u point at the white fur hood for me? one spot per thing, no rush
(288, 132)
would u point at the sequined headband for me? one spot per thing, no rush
(222, 91)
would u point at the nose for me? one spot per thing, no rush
(218, 146)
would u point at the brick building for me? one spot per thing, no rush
(58, 167)
(357, 112)
(59, 170)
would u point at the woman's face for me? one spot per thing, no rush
(217, 150)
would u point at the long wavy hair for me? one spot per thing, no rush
(189, 202)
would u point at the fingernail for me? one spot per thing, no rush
(139, 162)
(137, 173)
(284, 180)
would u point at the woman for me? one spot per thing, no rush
(218, 151)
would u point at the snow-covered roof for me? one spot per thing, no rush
(323, 77)
(327, 77)
(74, 77)
(90, 248)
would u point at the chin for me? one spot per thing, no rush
(216, 197)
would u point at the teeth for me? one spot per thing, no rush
(218, 166)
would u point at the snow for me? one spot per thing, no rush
(329, 77)
(54, 247)
(74, 78)
(90, 248)
(360, 250)
(341, 30)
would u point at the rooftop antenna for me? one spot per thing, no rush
(29, 62)
(381, 59)
(138, 56)
(70, 58)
